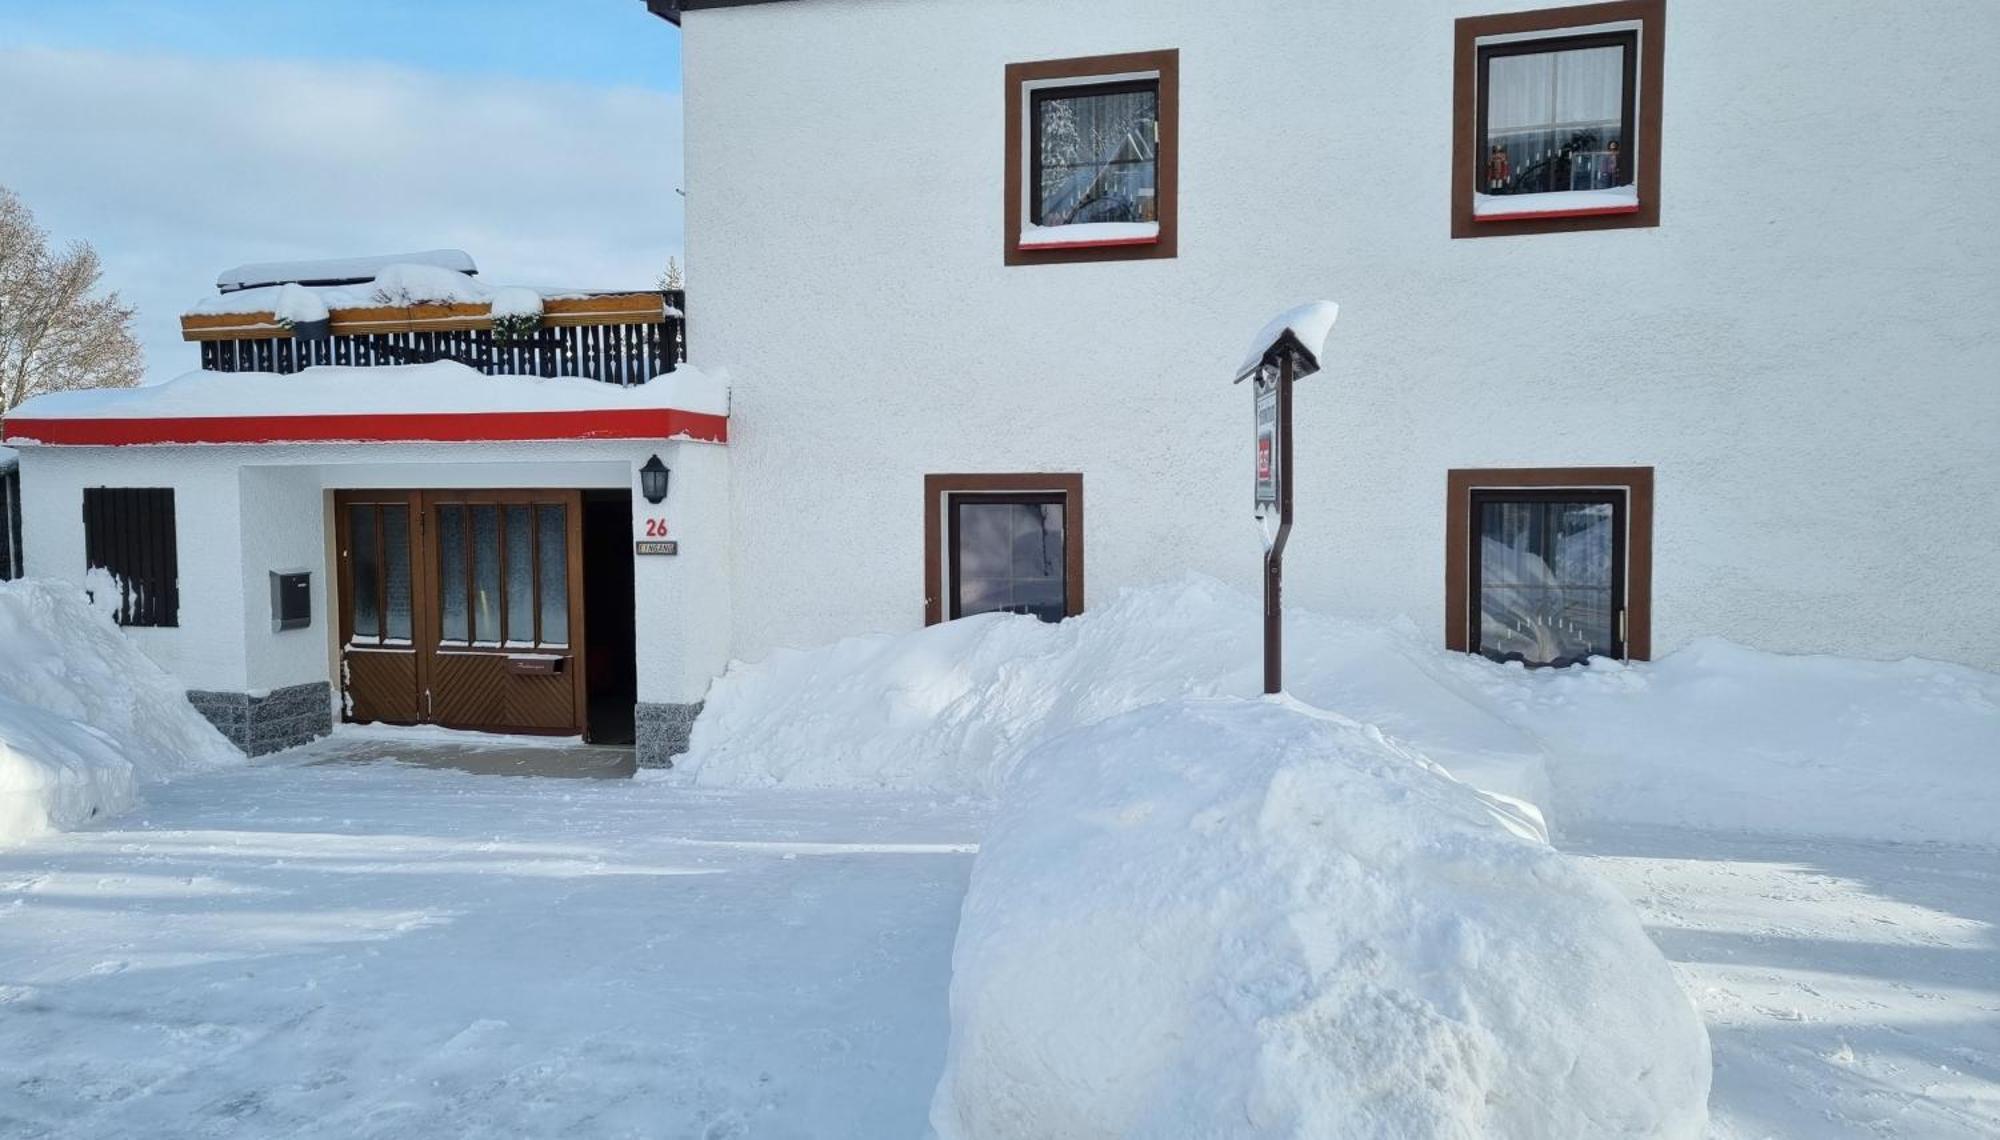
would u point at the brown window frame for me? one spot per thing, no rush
(1555, 26)
(939, 488)
(1081, 72)
(1460, 557)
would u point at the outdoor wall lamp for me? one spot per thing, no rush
(653, 480)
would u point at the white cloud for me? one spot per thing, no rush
(176, 168)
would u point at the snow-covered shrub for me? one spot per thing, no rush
(84, 716)
(1249, 918)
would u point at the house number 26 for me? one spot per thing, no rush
(656, 528)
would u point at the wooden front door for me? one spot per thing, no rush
(463, 609)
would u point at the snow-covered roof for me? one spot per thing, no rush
(442, 401)
(1309, 324)
(401, 284)
(338, 270)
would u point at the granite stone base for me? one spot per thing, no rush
(281, 718)
(661, 732)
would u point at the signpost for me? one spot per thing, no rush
(1273, 395)
(1288, 349)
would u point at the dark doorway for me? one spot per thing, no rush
(610, 628)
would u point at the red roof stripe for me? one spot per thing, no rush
(425, 427)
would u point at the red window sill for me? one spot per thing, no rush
(1537, 215)
(1101, 243)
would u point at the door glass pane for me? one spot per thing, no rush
(1099, 155)
(1547, 581)
(485, 574)
(1010, 557)
(520, 576)
(451, 573)
(1555, 121)
(363, 565)
(553, 530)
(396, 578)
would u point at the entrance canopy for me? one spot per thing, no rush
(443, 402)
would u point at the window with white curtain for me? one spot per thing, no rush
(1557, 114)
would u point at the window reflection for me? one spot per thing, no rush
(1548, 579)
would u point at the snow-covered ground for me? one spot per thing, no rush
(389, 951)
(1851, 990)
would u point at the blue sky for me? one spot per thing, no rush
(598, 42)
(180, 138)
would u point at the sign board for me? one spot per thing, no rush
(1269, 471)
(669, 546)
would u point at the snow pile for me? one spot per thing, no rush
(515, 301)
(952, 708)
(442, 387)
(338, 268)
(1715, 736)
(83, 714)
(396, 284)
(1309, 324)
(409, 283)
(298, 305)
(1254, 919)
(1720, 737)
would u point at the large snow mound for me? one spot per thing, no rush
(952, 708)
(84, 716)
(1250, 918)
(1714, 736)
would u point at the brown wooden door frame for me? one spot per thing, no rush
(431, 639)
(426, 617)
(419, 594)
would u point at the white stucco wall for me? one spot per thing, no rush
(1803, 349)
(242, 512)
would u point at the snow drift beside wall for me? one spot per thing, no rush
(1254, 919)
(84, 716)
(1715, 736)
(952, 708)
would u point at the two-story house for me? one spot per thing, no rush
(1660, 319)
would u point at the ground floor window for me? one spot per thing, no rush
(10, 524)
(129, 532)
(1009, 543)
(1550, 566)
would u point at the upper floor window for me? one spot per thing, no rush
(1091, 164)
(1558, 120)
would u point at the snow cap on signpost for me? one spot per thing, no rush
(1300, 333)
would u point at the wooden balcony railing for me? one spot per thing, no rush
(618, 338)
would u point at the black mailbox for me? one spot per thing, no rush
(291, 599)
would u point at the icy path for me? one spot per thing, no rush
(1851, 990)
(382, 951)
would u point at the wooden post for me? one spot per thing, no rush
(1274, 558)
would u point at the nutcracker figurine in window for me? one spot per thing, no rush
(1496, 171)
(1611, 157)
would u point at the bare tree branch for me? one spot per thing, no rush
(54, 334)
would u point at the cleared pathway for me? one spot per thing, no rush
(353, 949)
(393, 951)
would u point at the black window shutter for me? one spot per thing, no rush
(129, 531)
(10, 525)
